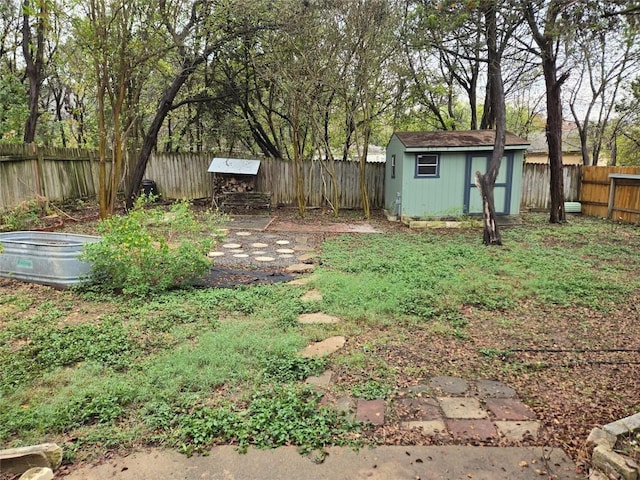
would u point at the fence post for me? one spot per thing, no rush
(38, 167)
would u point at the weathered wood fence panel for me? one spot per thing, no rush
(184, 175)
(536, 179)
(181, 175)
(56, 173)
(595, 194)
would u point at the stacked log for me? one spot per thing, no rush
(224, 183)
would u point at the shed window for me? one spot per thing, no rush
(427, 165)
(393, 166)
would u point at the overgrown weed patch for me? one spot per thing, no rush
(193, 367)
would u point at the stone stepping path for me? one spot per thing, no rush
(483, 410)
(312, 296)
(466, 410)
(324, 348)
(317, 318)
(300, 268)
(267, 249)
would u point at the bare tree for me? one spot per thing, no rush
(498, 31)
(607, 60)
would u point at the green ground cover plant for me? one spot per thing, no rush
(189, 368)
(151, 250)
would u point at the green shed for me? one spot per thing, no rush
(431, 174)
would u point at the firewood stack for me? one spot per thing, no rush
(229, 183)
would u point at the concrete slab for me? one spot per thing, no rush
(429, 427)
(324, 348)
(419, 389)
(517, 431)
(322, 381)
(418, 409)
(494, 389)
(470, 429)
(451, 385)
(370, 411)
(461, 407)
(381, 463)
(509, 409)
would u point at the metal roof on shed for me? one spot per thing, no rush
(454, 138)
(240, 166)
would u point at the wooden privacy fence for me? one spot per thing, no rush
(596, 189)
(56, 173)
(62, 174)
(535, 185)
(184, 175)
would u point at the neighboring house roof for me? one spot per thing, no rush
(570, 142)
(454, 138)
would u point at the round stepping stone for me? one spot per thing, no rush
(241, 255)
(285, 250)
(283, 242)
(285, 255)
(264, 259)
(259, 245)
(243, 234)
(215, 254)
(259, 252)
(314, 318)
(231, 245)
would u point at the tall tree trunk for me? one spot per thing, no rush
(546, 41)
(34, 61)
(151, 139)
(554, 133)
(495, 88)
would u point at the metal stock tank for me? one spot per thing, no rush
(48, 258)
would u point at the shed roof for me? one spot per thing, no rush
(454, 138)
(239, 166)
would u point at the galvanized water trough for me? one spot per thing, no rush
(49, 258)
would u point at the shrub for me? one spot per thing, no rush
(139, 253)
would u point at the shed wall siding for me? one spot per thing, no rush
(430, 196)
(393, 186)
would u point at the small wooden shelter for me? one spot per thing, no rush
(431, 175)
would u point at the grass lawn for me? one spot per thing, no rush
(554, 314)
